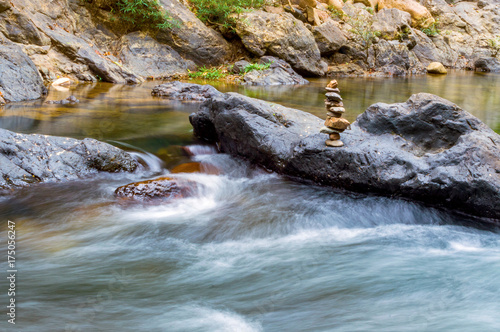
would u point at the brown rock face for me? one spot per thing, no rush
(164, 187)
(337, 123)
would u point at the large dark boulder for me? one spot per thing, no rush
(28, 159)
(19, 78)
(426, 149)
(487, 64)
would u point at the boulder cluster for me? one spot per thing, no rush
(334, 123)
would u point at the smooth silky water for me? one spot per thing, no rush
(250, 251)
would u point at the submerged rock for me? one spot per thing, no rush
(27, 159)
(426, 149)
(164, 188)
(184, 91)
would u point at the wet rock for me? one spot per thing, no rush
(70, 100)
(148, 58)
(192, 38)
(160, 188)
(278, 73)
(487, 64)
(426, 149)
(19, 78)
(436, 68)
(27, 159)
(283, 36)
(329, 37)
(184, 91)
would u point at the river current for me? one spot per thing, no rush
(250, 250)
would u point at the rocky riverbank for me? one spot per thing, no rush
(313, 38)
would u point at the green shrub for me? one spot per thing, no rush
(223, 13)
(208, 73)
(255, 66)
(370, 10)
(134, 15)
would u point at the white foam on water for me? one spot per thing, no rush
(202, 318)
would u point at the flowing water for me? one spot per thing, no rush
(250, 250)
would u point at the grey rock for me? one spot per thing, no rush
(278, 73)
(283, 36)
(487, 64)
(191, 38)
(239, 66)
(81, 51)
(391, 21)
(29, 159)
(19, 78)
(426, 149)
(176, 90)
(148, 58)
(329, 37)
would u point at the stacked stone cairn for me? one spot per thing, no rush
(334, 123)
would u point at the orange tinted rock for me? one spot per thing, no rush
(196, 167)
(334, 137)
(333, 84)
(164, 187)
(337, 123)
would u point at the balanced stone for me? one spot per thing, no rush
(333, 115)
(326, 130)
(332, 90)
(332, 96)
(329, 104)
(334, 136)
(339, 124)
(333, 84)
(336, 143)
(336, 109)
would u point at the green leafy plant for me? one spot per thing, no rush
(494, 45)
(370, 10)
(255, 66)
(135, 15)
(432, 29)
(208, 73)
(223, 14)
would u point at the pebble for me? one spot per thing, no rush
(339, 124)
(336, 90)
(336, 143)
(326, 130)
(334, 137)
(332, 96)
